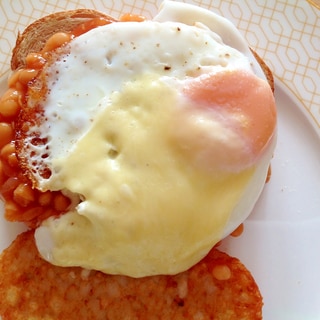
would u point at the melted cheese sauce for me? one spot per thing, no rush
(145, 210)
(133, 145)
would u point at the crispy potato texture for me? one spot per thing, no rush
(218, 287)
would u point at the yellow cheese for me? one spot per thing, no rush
(146, 209)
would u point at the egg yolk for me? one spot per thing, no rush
(243, 96)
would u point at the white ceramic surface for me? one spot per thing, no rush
(281, 242)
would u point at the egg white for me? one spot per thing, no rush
(84, 84)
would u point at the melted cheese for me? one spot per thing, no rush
(145, 210)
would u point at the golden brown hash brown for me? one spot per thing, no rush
(219, 287)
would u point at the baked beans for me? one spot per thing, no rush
(238, 231)
(23, 202)
(127, 17)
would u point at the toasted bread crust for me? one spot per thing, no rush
(34, 37)
(265, 68)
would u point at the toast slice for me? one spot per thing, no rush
(34, 37)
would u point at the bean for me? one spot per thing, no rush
(26, 75)
(61, 202)
(24, 195)
(88, 25)
(35, 61)
(131, 17)
(13, 160)
(9, 160)
(45, 198)
(11, 93)
(7, 150)
(6, 134)
(9, 108)
(13, 79)
(11, 211)
(56, 40)
(31, 214)
(21, 87)
(8, 171)
(238, 231)
(8, 186)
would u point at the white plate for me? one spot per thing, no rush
(280, 245)
(281, 242)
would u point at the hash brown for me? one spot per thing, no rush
(218, 287)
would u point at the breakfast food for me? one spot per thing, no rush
(132, 147)
(198, 144)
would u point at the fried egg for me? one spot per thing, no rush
(164, 133)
